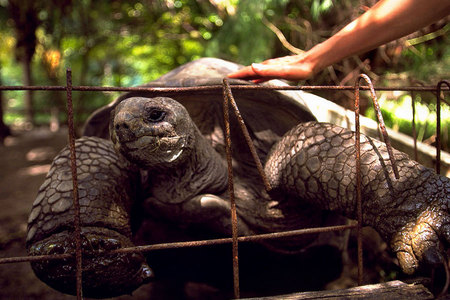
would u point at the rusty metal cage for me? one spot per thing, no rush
(226, 89)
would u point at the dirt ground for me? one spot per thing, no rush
(25, 159)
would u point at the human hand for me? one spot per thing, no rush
(295, 67)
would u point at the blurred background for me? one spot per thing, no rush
(127, 43)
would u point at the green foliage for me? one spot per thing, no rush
(127, 43)
(244, 38)
(319, 7)
(10, 69)
(105, 43)
(397, 114)
(428, 62)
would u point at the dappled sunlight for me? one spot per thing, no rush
(34, 170)
(10, 141)
(40, 154)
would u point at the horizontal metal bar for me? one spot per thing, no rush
(32, 88)
(217, 87)
(19, 259)
(190, 244)
(250, 238)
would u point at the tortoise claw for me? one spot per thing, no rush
(421, 244)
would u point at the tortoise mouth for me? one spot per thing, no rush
(153, 142)
(153, 150)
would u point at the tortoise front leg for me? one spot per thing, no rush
(316, 162)
(106, 192)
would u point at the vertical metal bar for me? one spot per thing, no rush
(438, 124)
(76, 204)
(438, 129)
(358, 184)
(234, 227)
(447, 280)
(229, 95)
(413, 105)
(387, 141)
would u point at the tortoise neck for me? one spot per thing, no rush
(203, 171)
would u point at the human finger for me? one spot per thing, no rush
(248, 72)
(244, 73)
(291, 59)
(289, 72)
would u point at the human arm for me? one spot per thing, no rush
(385, 21)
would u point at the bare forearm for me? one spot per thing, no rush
(384, 22)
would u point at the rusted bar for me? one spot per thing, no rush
(413, 105)
(214, 87)
(358, 184)
(447, 280)
(76, 204)
(234, 226)
(438, 123)
(241, 239)
(227, 97)
(31, 88)
(12, 260)
(246, 134)
(177, 245)
(380, 123)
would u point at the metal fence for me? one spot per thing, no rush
(226, 89)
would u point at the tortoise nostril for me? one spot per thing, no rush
(123, 131)
(122, 125)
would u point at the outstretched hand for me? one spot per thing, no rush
(385, 21)
(288, 67)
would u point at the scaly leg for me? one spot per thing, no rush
(106, 193)
(316, 162)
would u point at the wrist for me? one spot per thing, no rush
(315, 59)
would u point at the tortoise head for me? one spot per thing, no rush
(152, 132)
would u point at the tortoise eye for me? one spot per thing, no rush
(156, 115)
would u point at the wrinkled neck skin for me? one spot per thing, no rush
(202, 170)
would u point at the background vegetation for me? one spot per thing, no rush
(127, 43)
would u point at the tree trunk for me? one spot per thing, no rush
(28, 99)
(4, 129)
(26, 21)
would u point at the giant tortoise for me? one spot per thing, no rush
(148, 160)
